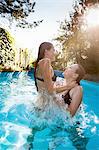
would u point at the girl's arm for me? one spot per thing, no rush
(76, 96)
(47, 75)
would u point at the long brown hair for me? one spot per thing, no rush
(41, 53)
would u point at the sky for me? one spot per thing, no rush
(51, 11)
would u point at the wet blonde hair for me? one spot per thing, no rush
(81, 72)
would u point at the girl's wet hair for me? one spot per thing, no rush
(81, 73)
(41, 53)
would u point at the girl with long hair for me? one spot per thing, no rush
(45, 81)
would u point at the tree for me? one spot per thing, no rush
(78, 44)
(19, 10)
(7, 51)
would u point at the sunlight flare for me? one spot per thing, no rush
(92, 17)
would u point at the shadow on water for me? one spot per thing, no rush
(52, 137)
(58, 138)
(30, 138)
(79, 140)
(59, 135)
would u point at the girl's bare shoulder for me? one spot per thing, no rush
(45, 65)
(76, 89)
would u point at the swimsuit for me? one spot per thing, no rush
(53, 78)
(66, 96)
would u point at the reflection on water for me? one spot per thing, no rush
(23, 127)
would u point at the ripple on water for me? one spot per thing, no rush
(13, 134)
(21, 127)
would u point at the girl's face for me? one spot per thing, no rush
(70, 72)
(50, 54)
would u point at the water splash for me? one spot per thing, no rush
(19, 114)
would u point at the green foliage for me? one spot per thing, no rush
(19, 10)
(7, 52)
(60, 62)
(79, 46)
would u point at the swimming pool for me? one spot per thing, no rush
(20, 129)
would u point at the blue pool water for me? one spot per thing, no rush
(22, 129)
